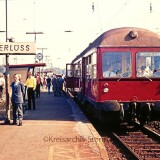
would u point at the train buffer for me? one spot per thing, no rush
(56, 130)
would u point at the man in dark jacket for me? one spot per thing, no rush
(48, 84)
(18, 91)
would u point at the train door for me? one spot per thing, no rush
(89, 75)
(72, 77)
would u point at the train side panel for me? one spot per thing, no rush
(128, 91)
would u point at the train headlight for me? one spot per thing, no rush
(105, 90)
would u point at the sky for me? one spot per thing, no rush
(85, 19)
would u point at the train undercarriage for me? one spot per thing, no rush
(113, 113)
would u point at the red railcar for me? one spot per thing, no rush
(119, 75)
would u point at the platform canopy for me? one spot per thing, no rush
(23, 69)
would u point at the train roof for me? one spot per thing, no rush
(125, 36)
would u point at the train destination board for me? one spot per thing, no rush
(27, 48)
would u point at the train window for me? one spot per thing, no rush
(148, 64)
(94, 66)
(90, 59)
(70, 70)
(86, 60)
(90, 66)
(86, 67)
(94, 71)
(78, 70)
(116, 64)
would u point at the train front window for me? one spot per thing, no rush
(148, 64)
(116, 64)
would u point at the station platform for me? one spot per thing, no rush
(56, 130)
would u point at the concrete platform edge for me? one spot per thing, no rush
(84, 123)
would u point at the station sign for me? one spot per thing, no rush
(17, 48)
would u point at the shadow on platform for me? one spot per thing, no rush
(49, 107)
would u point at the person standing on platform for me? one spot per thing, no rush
(2, 84)
(48, 80)
(60, 83)
(18, 91)
(38, 86)
(44, 83)
(31, 86)
(54, 84)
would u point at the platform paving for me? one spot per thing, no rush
(56, 130)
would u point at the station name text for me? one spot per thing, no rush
(14, 48)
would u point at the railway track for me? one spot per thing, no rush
(141, 143)
(130, 142)
(155, 126)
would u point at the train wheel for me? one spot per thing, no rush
(145, 114)
(131, 116)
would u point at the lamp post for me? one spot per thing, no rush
(7, 120)
(3, 57)
(8, 109)
(6, 19)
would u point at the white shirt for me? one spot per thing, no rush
(2, 81)
(109, 74)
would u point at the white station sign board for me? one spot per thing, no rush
(26, 48)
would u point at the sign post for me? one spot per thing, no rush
(8, 107)
(39, 56)
(12, 48)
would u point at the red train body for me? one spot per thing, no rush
(130, 89)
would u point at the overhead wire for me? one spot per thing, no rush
(96, 10)
(119, 11)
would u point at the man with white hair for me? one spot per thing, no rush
(108, 72)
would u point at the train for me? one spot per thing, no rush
(117, 77)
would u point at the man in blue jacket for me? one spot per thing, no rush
(18, 91)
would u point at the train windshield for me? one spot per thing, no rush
(116, 64)
(148, 64)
